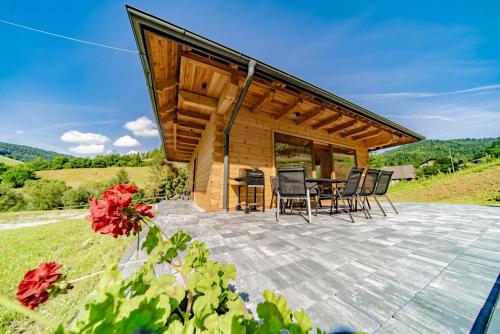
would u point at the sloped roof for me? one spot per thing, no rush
(402, 172)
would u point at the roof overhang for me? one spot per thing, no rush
(165, 47)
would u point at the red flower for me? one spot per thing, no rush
(113, 214)
(144, 210)
(32, 290)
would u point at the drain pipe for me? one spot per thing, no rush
(227, 132)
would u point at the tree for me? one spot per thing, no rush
(58, 162)
(158, 175)
(76, 197)
(494, 149)
(45, 194)
(121, 177)
(17, 176)
(11, 200)
(376, 160)
(3, 168)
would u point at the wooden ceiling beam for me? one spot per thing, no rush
(355, 130)
(187, 141)
(309, 115)
(188, 134)
(188, 99)
(327, 122)
(367, 134)
(166, 84)
(190, 125)
(288, 109)
(227, 96)
(342, 126)
(193, 115)
(265, 99)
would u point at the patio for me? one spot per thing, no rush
(428, 270)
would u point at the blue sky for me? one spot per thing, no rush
(433, 67)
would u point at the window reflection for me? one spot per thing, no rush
(343, 161)
(292, 152)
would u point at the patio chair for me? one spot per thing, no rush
(274, 190)
(292, 186)
(348, 195)
(368, 188)
(383, 182)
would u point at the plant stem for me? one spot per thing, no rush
(101, 271)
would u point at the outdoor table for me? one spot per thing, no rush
(331, 182)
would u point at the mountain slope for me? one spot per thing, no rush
(25, 153)
(474, 185)
(9, 161)
(462, 150)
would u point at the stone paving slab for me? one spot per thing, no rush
(427, 270)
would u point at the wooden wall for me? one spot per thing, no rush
(251, 146)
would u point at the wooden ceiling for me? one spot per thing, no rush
(190, 87)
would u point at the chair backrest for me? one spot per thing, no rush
(383, 182)
(292, 181)
(369, 182)
(352, 184)
(274, 183)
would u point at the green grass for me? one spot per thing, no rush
(39, 216)
(474, 185)
(9, 162)
(72, 243)
(77, 176)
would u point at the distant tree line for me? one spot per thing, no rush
(25, 153)
(166, 181)
(448, 154)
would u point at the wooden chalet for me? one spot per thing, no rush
(222, 111)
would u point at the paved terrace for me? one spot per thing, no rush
(429, 269)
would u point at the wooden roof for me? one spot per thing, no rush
(189, 83)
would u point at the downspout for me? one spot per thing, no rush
(227, 132)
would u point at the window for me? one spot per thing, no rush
(292, 151)
(343, 160)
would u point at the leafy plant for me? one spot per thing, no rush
(11, 200)
(17, 176)
(203, 302)
(45, 194)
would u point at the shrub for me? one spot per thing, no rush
(11, 200)
(17, 176)
(121, 177)
(3, 168)
(45, 194)
(76, 197)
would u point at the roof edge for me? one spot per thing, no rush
(140, 19)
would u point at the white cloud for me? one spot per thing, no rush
(19, 132)
(126, 141)
(87, 138)
(142, 127)
(132, 152)
(88, 149)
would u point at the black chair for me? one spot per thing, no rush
(383, 182)
(274, 190)
(292, 186)
(348, 195)
(368, 188)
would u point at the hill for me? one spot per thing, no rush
(78, 176)
(475, 185)
(25, 153)
(462, 150)
(9, 161)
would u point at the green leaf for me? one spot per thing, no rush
(302, 321)
(152, 240)
(179, 240)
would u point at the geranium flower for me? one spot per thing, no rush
(33, 289)
(113, 213)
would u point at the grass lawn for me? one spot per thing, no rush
(9, 161)
(474, 185)
(77, 176)
(71, 243)
(40, 216)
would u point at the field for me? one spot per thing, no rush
(474, 185)
(9, 161)
(76, 177)
(71, 243)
